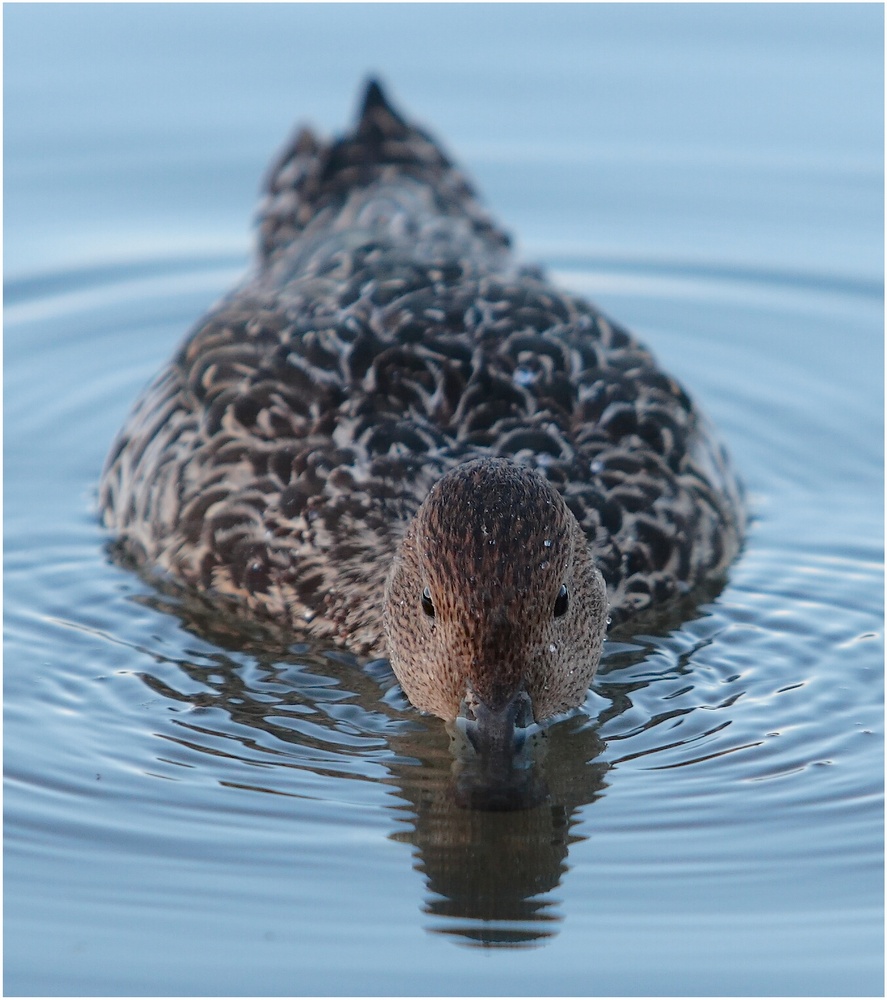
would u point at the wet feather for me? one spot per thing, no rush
(385, 336)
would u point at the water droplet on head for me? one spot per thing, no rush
(547, 543)
(544, 565)
(552, 647)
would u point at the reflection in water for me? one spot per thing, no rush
(489, 871)
(491, 860)
(503, 780)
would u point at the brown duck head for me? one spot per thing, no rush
(494, 610)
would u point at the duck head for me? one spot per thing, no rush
(494, 610)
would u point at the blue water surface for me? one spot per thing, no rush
(196, 807)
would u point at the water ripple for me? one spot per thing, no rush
(158, 717)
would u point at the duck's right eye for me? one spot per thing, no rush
(427, 603)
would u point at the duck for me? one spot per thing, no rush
(395, 437)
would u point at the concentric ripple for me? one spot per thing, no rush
(166, 759)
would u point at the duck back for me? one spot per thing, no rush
(385, 335)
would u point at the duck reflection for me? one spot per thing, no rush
(491, 837)
(492, 857)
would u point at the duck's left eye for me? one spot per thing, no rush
(427, 603)
(561, 602)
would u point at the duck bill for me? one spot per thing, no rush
(499, 732)
(496, 754)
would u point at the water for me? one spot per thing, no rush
(194, 807)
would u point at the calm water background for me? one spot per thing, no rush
(193, 808)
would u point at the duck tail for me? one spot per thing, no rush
(377, 116)
(380, 138)
(311, 175)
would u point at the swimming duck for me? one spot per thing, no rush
(393, 436)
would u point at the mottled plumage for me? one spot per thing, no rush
(385, 336)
